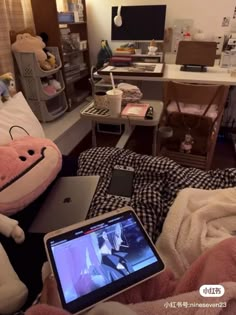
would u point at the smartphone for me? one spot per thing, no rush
(121, 184)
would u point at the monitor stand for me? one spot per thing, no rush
(192, 68)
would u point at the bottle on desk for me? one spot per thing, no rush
(232, 62)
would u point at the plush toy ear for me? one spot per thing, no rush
(26, 35)
(10, 131)
(19, 37)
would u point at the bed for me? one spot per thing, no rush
(157, 181)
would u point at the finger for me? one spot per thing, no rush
(50, 294)
(43, 298)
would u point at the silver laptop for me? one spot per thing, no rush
(67, 203)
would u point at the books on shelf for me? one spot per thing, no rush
(135, 110)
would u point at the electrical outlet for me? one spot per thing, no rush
(220, 42)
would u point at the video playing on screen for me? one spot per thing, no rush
(99, 255)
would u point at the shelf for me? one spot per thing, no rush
(54, 25)
(47, 96)
(74, 52)
(78, 97)
(34, 90)
(71, 68)
(51, 109)
(78, 77)
(71, 23)
(29, 66)
(146, 55)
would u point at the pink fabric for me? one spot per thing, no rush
(205, 270)
(189, 304)
(153, 297)
(27, 167)
(193, 109)
(42, 309)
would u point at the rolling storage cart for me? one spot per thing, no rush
(45, 105)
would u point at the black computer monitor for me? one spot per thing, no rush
(139, 23)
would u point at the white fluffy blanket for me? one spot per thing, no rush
(197, 220)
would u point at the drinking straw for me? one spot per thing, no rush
(112, 82)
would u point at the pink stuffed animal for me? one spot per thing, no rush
(27, 167)
(187, 144)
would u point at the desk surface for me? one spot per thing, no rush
(214, 75)
(132, 120)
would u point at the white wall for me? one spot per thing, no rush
(207, 16)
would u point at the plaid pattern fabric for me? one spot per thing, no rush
(156, 183)
(15, 15)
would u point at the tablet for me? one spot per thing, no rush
(100, 257)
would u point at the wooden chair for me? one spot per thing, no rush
(196, 110)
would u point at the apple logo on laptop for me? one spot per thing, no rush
(67, 200)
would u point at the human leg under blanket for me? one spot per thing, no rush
(215, 266)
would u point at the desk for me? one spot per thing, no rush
(68, 130)
(129, 123)
(214, 75)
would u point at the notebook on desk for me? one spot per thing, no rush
(135, 110)
(67, 203)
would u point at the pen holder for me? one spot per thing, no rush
(100, 99)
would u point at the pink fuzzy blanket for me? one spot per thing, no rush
(165, 295)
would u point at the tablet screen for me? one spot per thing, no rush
(93, 262)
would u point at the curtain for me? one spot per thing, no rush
(15, 15)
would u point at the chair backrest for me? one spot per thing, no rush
(196, 94)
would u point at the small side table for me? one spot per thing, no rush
(129, 122)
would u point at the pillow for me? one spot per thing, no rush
(17, 112)
(27, 167)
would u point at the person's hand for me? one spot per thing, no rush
(50, 293)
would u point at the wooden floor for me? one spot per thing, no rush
(141, 142)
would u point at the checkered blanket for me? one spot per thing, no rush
(156, 183)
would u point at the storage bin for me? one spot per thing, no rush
(49, 110)
(33, 87)
(29, 67)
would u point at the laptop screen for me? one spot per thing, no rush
(99, 260)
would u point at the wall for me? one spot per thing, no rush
(207, 16)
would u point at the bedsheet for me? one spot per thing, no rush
(157, 181)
